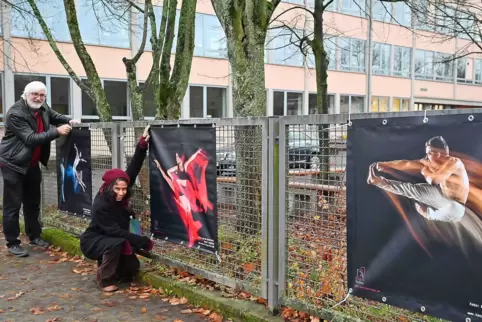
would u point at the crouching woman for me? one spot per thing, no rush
(107, 238)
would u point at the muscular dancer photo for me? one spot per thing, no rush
(443, 196)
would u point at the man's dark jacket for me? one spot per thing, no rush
(20, 139)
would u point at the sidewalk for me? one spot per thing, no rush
(50, 286)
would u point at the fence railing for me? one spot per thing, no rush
(291, 247)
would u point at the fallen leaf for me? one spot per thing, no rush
(174, 301)
(16, 296)
(54, 320)
(188, 311)
(159, 317)
(36, 311)
(214, 317)
(107, 294)
(183, 300)
(109, 303)
(315, 319)
(96, 309)
(2, 311)
(132, 297)
(75, 289)
(206, 312)
(144, 295)
(178, 320)
(54, 307)
(144, 310)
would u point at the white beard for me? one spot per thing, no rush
(34, 105)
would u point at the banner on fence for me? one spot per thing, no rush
(183, 185)
(414, 213)
(74, 172)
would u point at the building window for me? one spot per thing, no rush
(104, 26)
(196, 101)
(382, 11)
(400, 104)
(58, 90)
(207, 101)
(26, 25)
(443, 66)
(352, 54)
(283, 47)
(403, 14)
(379, 104)
(353, 7)
(116, 94)
(478, 71)
(462, 71)
(210, 40)
(60, 94)
(423, 64)
(329, 43)
(401, 61)
(381, 59)
(216, 102)
(287, 103)
(312, 108)
(88, 105)
(278, 103)
(352, 104)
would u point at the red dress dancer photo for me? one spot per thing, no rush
(188, 184)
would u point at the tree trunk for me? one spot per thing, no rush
(246, 55)
(321, 68)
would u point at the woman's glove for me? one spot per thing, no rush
(144, 140)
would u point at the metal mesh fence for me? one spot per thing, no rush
(315, 226)
(239, 232)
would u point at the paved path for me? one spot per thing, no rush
(50, 286)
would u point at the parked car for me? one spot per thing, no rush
(303, 152)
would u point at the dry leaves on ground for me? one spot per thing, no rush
(36, 311)
(16, 296)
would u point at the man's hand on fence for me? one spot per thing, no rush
(64, 129)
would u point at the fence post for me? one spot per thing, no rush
(116, 145)
(265, 206)
(273, 215)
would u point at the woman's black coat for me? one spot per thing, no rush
(109, 227)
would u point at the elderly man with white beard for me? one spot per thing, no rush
(30, 126)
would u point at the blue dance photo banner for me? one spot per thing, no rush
(74, 172)
(414, 213)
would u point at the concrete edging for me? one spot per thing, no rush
(234, 309)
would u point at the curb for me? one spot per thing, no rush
(234, 309)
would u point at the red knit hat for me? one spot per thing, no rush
(114, 174)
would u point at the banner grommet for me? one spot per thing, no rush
(471, 118)
(425, 120)
(384, 299)
(384, 122)
(422, 308)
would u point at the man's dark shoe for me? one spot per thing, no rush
(17, 250)
(39, 242)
